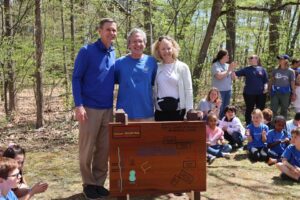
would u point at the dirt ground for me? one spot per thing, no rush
(52, 157)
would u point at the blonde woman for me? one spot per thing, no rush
(282, 84)
(173, 84)
(211, 104)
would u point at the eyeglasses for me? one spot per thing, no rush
(18, 175)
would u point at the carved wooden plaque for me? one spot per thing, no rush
(157, 157)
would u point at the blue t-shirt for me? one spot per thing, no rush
(10, 196)
(274, 136)
(256, 77)
(136, 78)
(93, 76)
(292, 155)
(256, 133)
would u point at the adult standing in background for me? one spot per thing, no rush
(256, 86)
(221, 77)
(282, 84)
(135, 74)
(295, 66)
(93, 85)
(173, 91)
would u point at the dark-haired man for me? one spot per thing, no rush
(93, 85)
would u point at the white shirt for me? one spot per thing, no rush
(167, 82)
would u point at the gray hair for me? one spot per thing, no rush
(134, 31)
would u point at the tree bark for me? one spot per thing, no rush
(215, 14)
(148, 25)
(66, 82)
(9, 62)
(39, 67)
(72, 24)
(294, 38)
(230, 29)
(274, 18)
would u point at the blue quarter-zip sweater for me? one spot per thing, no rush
(93, 76)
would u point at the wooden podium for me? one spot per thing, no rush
(157, 158)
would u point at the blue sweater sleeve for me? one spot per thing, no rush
(80, 67)
(241, 72)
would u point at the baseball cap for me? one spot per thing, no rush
(284, 56)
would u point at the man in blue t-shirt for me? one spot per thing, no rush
(93, 85)
(135, 74)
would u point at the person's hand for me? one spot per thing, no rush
(224, 128)
(200, 114)
(39, 188)
(264, 133)
(232, 65)
(218, 103)
(233, 76)
(80, 114)
(285, 140)
(208, 143)
(293, 97)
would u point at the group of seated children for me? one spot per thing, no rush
(12, 183)
(274, 143)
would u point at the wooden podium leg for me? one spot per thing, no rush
(196, 195)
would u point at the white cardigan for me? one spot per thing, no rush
(185, 88)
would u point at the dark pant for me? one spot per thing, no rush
(177, 115)
(251, 101)
(274, 155)
(258, 154)
(234, 139)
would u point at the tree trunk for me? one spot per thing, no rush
(9, 62)
(294, 38)
(274, 18)
(288, 43)
(72, 23)
(39, 67)
(66, 82)
(230, 29)
(215, 14)
(148, 25)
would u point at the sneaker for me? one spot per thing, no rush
(211, 159)
(226, 155)
(102, 191)
(90, 192)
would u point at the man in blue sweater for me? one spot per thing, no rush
(135, 73)
(93, 85)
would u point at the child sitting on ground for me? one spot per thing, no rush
(293, 123)
(9, 178)
(290, 165)
(277, 140)
(268, 115)
(216, 145)
(256, 133)
(233, 129)
(22, 190)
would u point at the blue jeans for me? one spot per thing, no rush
(226, 96)
(218, 150)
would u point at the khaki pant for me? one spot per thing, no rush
(94, 147)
